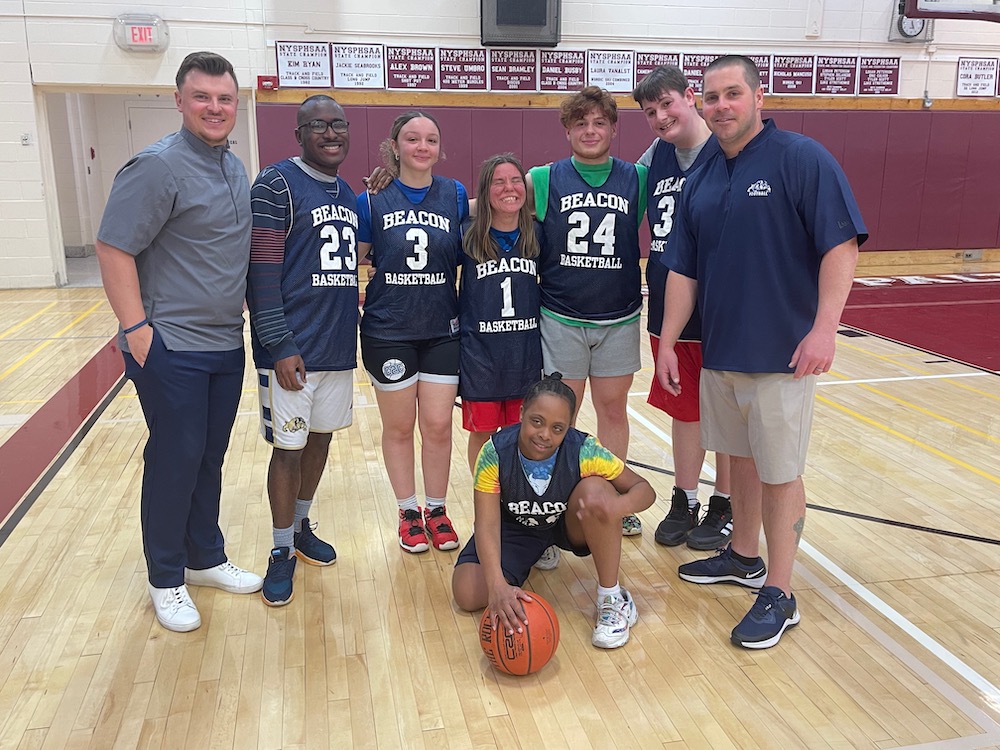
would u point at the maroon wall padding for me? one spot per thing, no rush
(904, 180)
(923, 179)
(866, 139)
(978, 214)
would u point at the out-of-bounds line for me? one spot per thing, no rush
(988, 690)
(904, 378)
(706, 467)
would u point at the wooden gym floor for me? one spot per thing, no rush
(898, 582)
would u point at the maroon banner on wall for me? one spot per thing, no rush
(410, 68)
(513, 69)
(792, 74)
(562, 70)
(836, 75)
(646, 61)
(462, 69)
(879, 76)
(694, 69)
(763, 63)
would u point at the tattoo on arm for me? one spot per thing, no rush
(798, 526)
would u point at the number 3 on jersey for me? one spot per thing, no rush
(329, 258)
(666, 222)
(419, 239)
(604, 235)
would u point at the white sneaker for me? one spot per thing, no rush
(615, 615)
(174, 608)
(226, 577)
(549, 559)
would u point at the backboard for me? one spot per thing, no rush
(969, 10)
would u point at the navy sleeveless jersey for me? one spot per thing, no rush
(416, 249)
(319, 273)
(666, 181)
(590, 256)
(501, 348)
(518, 500)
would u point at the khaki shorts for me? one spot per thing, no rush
(578, 351)
(764, 416)
(323, 405)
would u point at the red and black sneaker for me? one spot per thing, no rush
(412, 537)
(443, 535)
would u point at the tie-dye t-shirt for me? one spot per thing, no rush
(595, 460)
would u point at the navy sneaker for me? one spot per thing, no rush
(770, 616)
(724, 568)
(715, 528)
(311, 548)
(277, 589)
(680, 519)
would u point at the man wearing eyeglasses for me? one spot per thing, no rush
(302, 292)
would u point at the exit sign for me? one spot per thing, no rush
(141, 33)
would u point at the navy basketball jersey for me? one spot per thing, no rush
(319, 273)
(590, 256)
(518, 500)
(663, 188)
(501, 348)
(416, 249)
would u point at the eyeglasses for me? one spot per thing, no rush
(319, 126)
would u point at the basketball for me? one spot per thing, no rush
(526, 652)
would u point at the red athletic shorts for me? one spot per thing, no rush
(684, 407)
(490, 416)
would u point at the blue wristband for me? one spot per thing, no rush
(136, 327)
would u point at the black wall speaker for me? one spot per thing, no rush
(520, 23)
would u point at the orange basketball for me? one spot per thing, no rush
(526, 652)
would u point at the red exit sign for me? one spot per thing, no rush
(141, 35)
(141, 32)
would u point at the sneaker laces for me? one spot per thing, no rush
(611, 611)
(441, 526)
(178, 598)
(765, 602)
(716, 512)
(229, 569)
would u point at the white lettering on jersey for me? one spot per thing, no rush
(507, 326)
(505, 265)
(587, 261)
(334, 212)
(424, 218)
(334, 279)
(415, 279)
(593, 200)
(669, 185)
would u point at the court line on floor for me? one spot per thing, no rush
(912, 441)
(48, 342)
(30, 318)
(989, 691)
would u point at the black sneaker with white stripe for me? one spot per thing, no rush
(715, 528)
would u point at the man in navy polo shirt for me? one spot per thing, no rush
(766, 239)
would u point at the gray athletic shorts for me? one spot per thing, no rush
(578, 351)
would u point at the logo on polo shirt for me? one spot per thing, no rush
(759, 189)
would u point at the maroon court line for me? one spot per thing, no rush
(30, 451)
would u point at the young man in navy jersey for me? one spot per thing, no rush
(683, 143)
(766, 239)
(590, 206)
(303, 299)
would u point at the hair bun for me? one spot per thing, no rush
(554, 376)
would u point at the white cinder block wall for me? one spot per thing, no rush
(58, 47)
